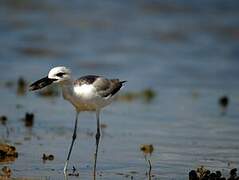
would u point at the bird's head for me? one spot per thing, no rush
(56, 75)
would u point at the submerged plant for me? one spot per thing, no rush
(147, 150)
(146, 95)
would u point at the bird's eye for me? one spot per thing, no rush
(60, 74)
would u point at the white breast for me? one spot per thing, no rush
(85, 91)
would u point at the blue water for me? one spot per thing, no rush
(187, 52)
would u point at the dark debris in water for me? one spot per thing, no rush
(147, 149)
(5, 173)
(74, 173)
(38, 52)
(3, 120)
(49, 91)
(147, 95)
(223, 103)
(134, 174)
(28, 119)
(126, 175)
(204, 174)
(7, 153)
(103, 126)
(46, 157)
(233, 174)
(21, 86)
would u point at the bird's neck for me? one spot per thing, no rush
(67, 86)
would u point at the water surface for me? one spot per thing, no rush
(187, 52)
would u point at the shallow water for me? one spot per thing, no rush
(187, 52)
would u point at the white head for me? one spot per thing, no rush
(59, 74)
(56, 75)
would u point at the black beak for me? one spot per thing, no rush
(41, 83)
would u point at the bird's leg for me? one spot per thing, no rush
(72, 143)
(97, 138)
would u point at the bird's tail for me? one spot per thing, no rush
(122, 82)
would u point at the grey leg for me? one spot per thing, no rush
(72, 143)
(97, 138)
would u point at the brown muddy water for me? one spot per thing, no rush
(178, 57)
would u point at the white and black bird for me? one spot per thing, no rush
(88, 93)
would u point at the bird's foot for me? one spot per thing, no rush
(65, 171)
(65, 168)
